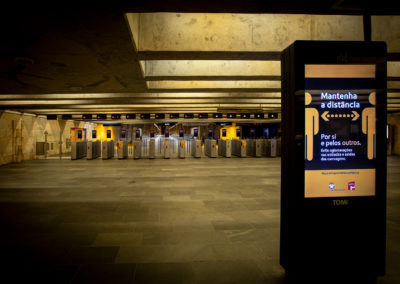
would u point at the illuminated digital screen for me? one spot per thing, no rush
(259, 115)
(231, 115)
(272, 115)
(66, 117)
(195, 132)
(252, 132)
(102, 116)
(266, 132)
(79, 134)
(86, 116)
(224, 132)
(123, 134)
(203, 115)
(137, 133)
(130, 116)
(94, 134)
(340, 130)
(160, 115)
(51, 117)
(210, 133)
(145, 116)
(188, 115)
(238, 132)
(217, 115)
(245, 115)
(174, 115)
(181, 132)
(108, 133)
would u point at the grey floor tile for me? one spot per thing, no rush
(220, 216)
(105, 273)
(86, 255)
(164, 273)
(227, 272)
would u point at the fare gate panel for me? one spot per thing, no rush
(167, 149)
(93, 149)
(182, 149)
(225, 148)
(122, 150)
(210, 148)
(239, 148)
(254, 147)
(137, 151)
(78, 150)
(107, 150)
(269, 147)
(152, 149)
(196, 148)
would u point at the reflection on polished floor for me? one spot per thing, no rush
(152, 221)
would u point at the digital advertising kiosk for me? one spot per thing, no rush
(333, 198)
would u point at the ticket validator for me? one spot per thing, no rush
(333, 199)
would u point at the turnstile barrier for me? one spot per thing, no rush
(254, 147)
(152, 149)
(181, 149)
(196, 148)
(239, 148)
(269, 148)
(225, 148)
(210, 148)
(122, 150)
(137, 149)
(78, 150)
(167, 149)
(107, 149)
(93, 149)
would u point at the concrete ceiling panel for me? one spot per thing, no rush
(239, 32)
(387, 28)
(212, 84)
(212, 68)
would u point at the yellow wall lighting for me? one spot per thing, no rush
(230, 132)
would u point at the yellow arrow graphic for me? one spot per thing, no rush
(356, 115)
(324, 116)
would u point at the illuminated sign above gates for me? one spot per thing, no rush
(340, 130)
(130, 116)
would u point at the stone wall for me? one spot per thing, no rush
(20, 132)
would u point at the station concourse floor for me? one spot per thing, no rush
(152, 221)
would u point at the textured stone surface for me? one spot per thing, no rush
(161, 221)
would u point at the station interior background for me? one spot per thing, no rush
(60, 65)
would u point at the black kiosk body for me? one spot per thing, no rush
(333, 198)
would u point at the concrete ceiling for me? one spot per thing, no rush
(95, 60)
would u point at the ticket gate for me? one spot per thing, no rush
(269, 148)
(239, 148)
(210, 148)
(152, 149)
(181, 149)
(137, 149)
(225, 148)
(122, 150)
(93, 149)
(167, 149)
(78, 150)
(196, 148)
(107, 150)
(254, 147)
